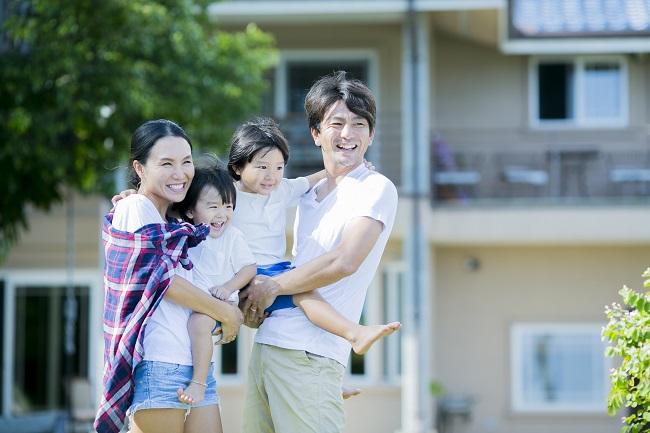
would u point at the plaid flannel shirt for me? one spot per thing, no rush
(138, 271)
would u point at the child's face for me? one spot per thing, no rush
(263, 174)
(211, 210)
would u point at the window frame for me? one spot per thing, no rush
(92, 278)
(580, 120)
(522, 330)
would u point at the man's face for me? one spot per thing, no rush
(344, 137)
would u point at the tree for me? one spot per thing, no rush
(629, 329)
(78, 76)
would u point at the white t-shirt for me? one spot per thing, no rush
(166, 338)
(263, 218)
(318, 229)
(217, 260)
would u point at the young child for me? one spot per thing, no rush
(258, 155)
(223, 263)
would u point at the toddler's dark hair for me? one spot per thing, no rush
(209, 172)
(252, 137)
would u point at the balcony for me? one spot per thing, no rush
(487, 168)
(554, 175)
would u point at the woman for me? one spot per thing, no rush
(149, 295)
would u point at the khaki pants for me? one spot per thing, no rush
(291, 391)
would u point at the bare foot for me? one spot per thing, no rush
(349, 392)
(367, 335)
(193, 394)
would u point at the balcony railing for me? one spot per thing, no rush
(553, 175)
(493, 173)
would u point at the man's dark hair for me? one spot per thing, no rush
(335, 87)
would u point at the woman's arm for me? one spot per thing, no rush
(184, 293)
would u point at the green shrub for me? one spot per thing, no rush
(629, 331)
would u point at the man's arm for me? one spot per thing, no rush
(357, 240)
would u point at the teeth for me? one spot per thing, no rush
(176, 187)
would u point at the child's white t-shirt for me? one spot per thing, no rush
(262, 219)
(166, 338)
(319, 227)
(217, 260)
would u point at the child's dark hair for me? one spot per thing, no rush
(252, 137)
(209, 172)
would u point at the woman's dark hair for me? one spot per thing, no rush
(209, 172)
(335, 87)
(252, 137)
(145, 137)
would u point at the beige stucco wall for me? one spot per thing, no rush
(473, 312)
(482, 102)
(43, 244)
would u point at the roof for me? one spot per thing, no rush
(579, 18)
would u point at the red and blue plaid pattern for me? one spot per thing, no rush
(138, 270)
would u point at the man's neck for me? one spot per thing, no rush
(334, 176)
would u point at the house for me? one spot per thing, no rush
(518, 134)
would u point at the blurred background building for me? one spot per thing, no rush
(518, 134)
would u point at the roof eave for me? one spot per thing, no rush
(595, 45)
(335, 11)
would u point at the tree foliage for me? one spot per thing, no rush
(629, 329)
(78, 76)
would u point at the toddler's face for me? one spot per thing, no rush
(211, 210)
(263, 174)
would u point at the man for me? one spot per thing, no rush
(342, 226)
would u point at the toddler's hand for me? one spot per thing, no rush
(220, 292)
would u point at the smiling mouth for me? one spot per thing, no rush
(218, 225)
(347, 146)
(177, 187)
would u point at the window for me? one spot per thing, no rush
(41, 361)
(384, 304)
(295, 74)
(579, 92)
(231, 360)
(558, 368)
(393, 294)
(40, 350)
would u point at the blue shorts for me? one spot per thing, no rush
(282, 301)
(156, 384)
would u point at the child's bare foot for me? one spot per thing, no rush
(367, 335)
(193, 394)
(349, 392)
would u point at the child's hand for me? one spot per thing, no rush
(123, 194)
(368, 165)
(220, 292)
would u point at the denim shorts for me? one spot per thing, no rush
(156, 384)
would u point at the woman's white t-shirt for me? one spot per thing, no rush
(166, 337)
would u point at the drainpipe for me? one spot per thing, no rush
(70, 306)
(416, 399)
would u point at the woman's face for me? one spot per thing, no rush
(167, 173)
(263, 174)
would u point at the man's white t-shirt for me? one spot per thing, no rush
(263, 218)
(217, 260)
(318, 229)
(166, 338)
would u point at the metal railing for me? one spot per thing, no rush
(553, 175)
